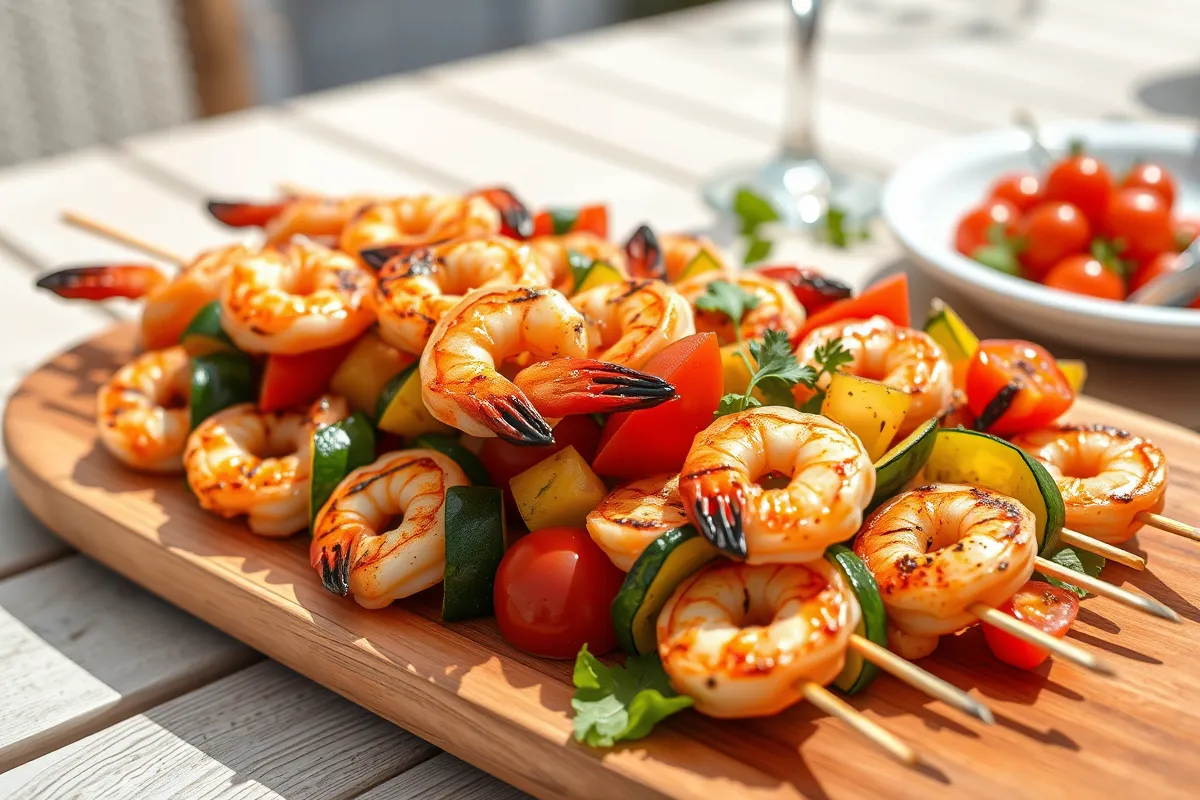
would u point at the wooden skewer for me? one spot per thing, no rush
(1111, 552)
(921, 679)
(834, 706)
(1028, 633)
(1169, 525)
(129, 240)
(294, 189)
(1104, 589)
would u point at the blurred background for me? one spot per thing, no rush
(78, 72)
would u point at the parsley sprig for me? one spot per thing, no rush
(618, 703)
(1079, 561)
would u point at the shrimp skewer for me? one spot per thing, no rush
(121, 237)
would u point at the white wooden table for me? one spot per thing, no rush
(108, 691)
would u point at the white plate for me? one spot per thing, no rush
(925, 197)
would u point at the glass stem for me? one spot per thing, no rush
(798, 143)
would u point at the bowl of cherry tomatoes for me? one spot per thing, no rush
(1052, 236)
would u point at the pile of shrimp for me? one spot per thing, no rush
(508, 337)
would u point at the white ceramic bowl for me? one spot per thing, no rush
(925, 197)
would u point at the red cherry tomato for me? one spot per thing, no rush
(1083, 274)
(1022, 189)
(1154, 177)
(1042, 605)
(1186, 231)
(503, 460)
(1015, 386)
(1051, 232)
(1140, 223)
(637, 444)
(553, 594)
(1082, 181)
(1161, 264)
(976, 225)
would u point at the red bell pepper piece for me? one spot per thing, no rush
(888, 297)
(812, 289)
(293, 380)
(557, 221)
(637, 444)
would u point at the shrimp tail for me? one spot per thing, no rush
(714, 505)
(645, 255)
(103, 281)
(514, 419)
(516, 221)
(240, 214)
(562, 387)
(333, 564)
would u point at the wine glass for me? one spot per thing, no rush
(797, 181)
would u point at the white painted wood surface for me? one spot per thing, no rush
(637, 116)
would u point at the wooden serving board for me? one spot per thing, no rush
(1059, 729)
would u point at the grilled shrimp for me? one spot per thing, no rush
(633, 515)
(299, 297)
(630, 322)
(831, 481)
(356, 553)
(314, 216)
(382, 231)
(937, 549)
(777, 306)
(555, 253)
(245, 461)
(462, 386)
(414, 292)
(899, 357)
(171, 303)
(678, 251)
(741, 639)
(142, 412)
(1107, 476)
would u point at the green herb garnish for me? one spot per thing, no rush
(614, 704)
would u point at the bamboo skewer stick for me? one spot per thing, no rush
(1169, 525)
(129, 240)
(921, 679)
(832, 705)
(1028, 633)
(1104, 589)
(1111, 552)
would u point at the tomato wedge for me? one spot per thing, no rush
(887, 297)
(1044, 606)
(1014, 386)
(814, 290)
(293, 380)
(637, 444)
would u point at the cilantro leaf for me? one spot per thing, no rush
(1079, 561)
(733, 403)
(616, 703)
(839, 232)
(758, 250)
(830, 356)
(727, 298)
(775, 359)
(752, 210)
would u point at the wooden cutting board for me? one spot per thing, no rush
(1060, 730)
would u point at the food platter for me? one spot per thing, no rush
(1059, 729)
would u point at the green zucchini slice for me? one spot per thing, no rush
(204, 334)
(401, 410)
(858, 672)
(337, 450)
(980, 459)
(899, 465)
(475, 544)
(666, 563)
(452, 447)
(220, 380)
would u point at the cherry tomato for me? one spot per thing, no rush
(1186, 231)
(1042, 605)
(1140, 223)
(976, 224)
(503, 460)
(1161, 264)
(1015, 386)
(293, 380)
(553, 594)
(1083, 274)
(1051, 232)
(637, 444)
(1083, 182)
(1154, 177)
(1022, 189)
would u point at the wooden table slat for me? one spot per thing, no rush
(443, 776)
